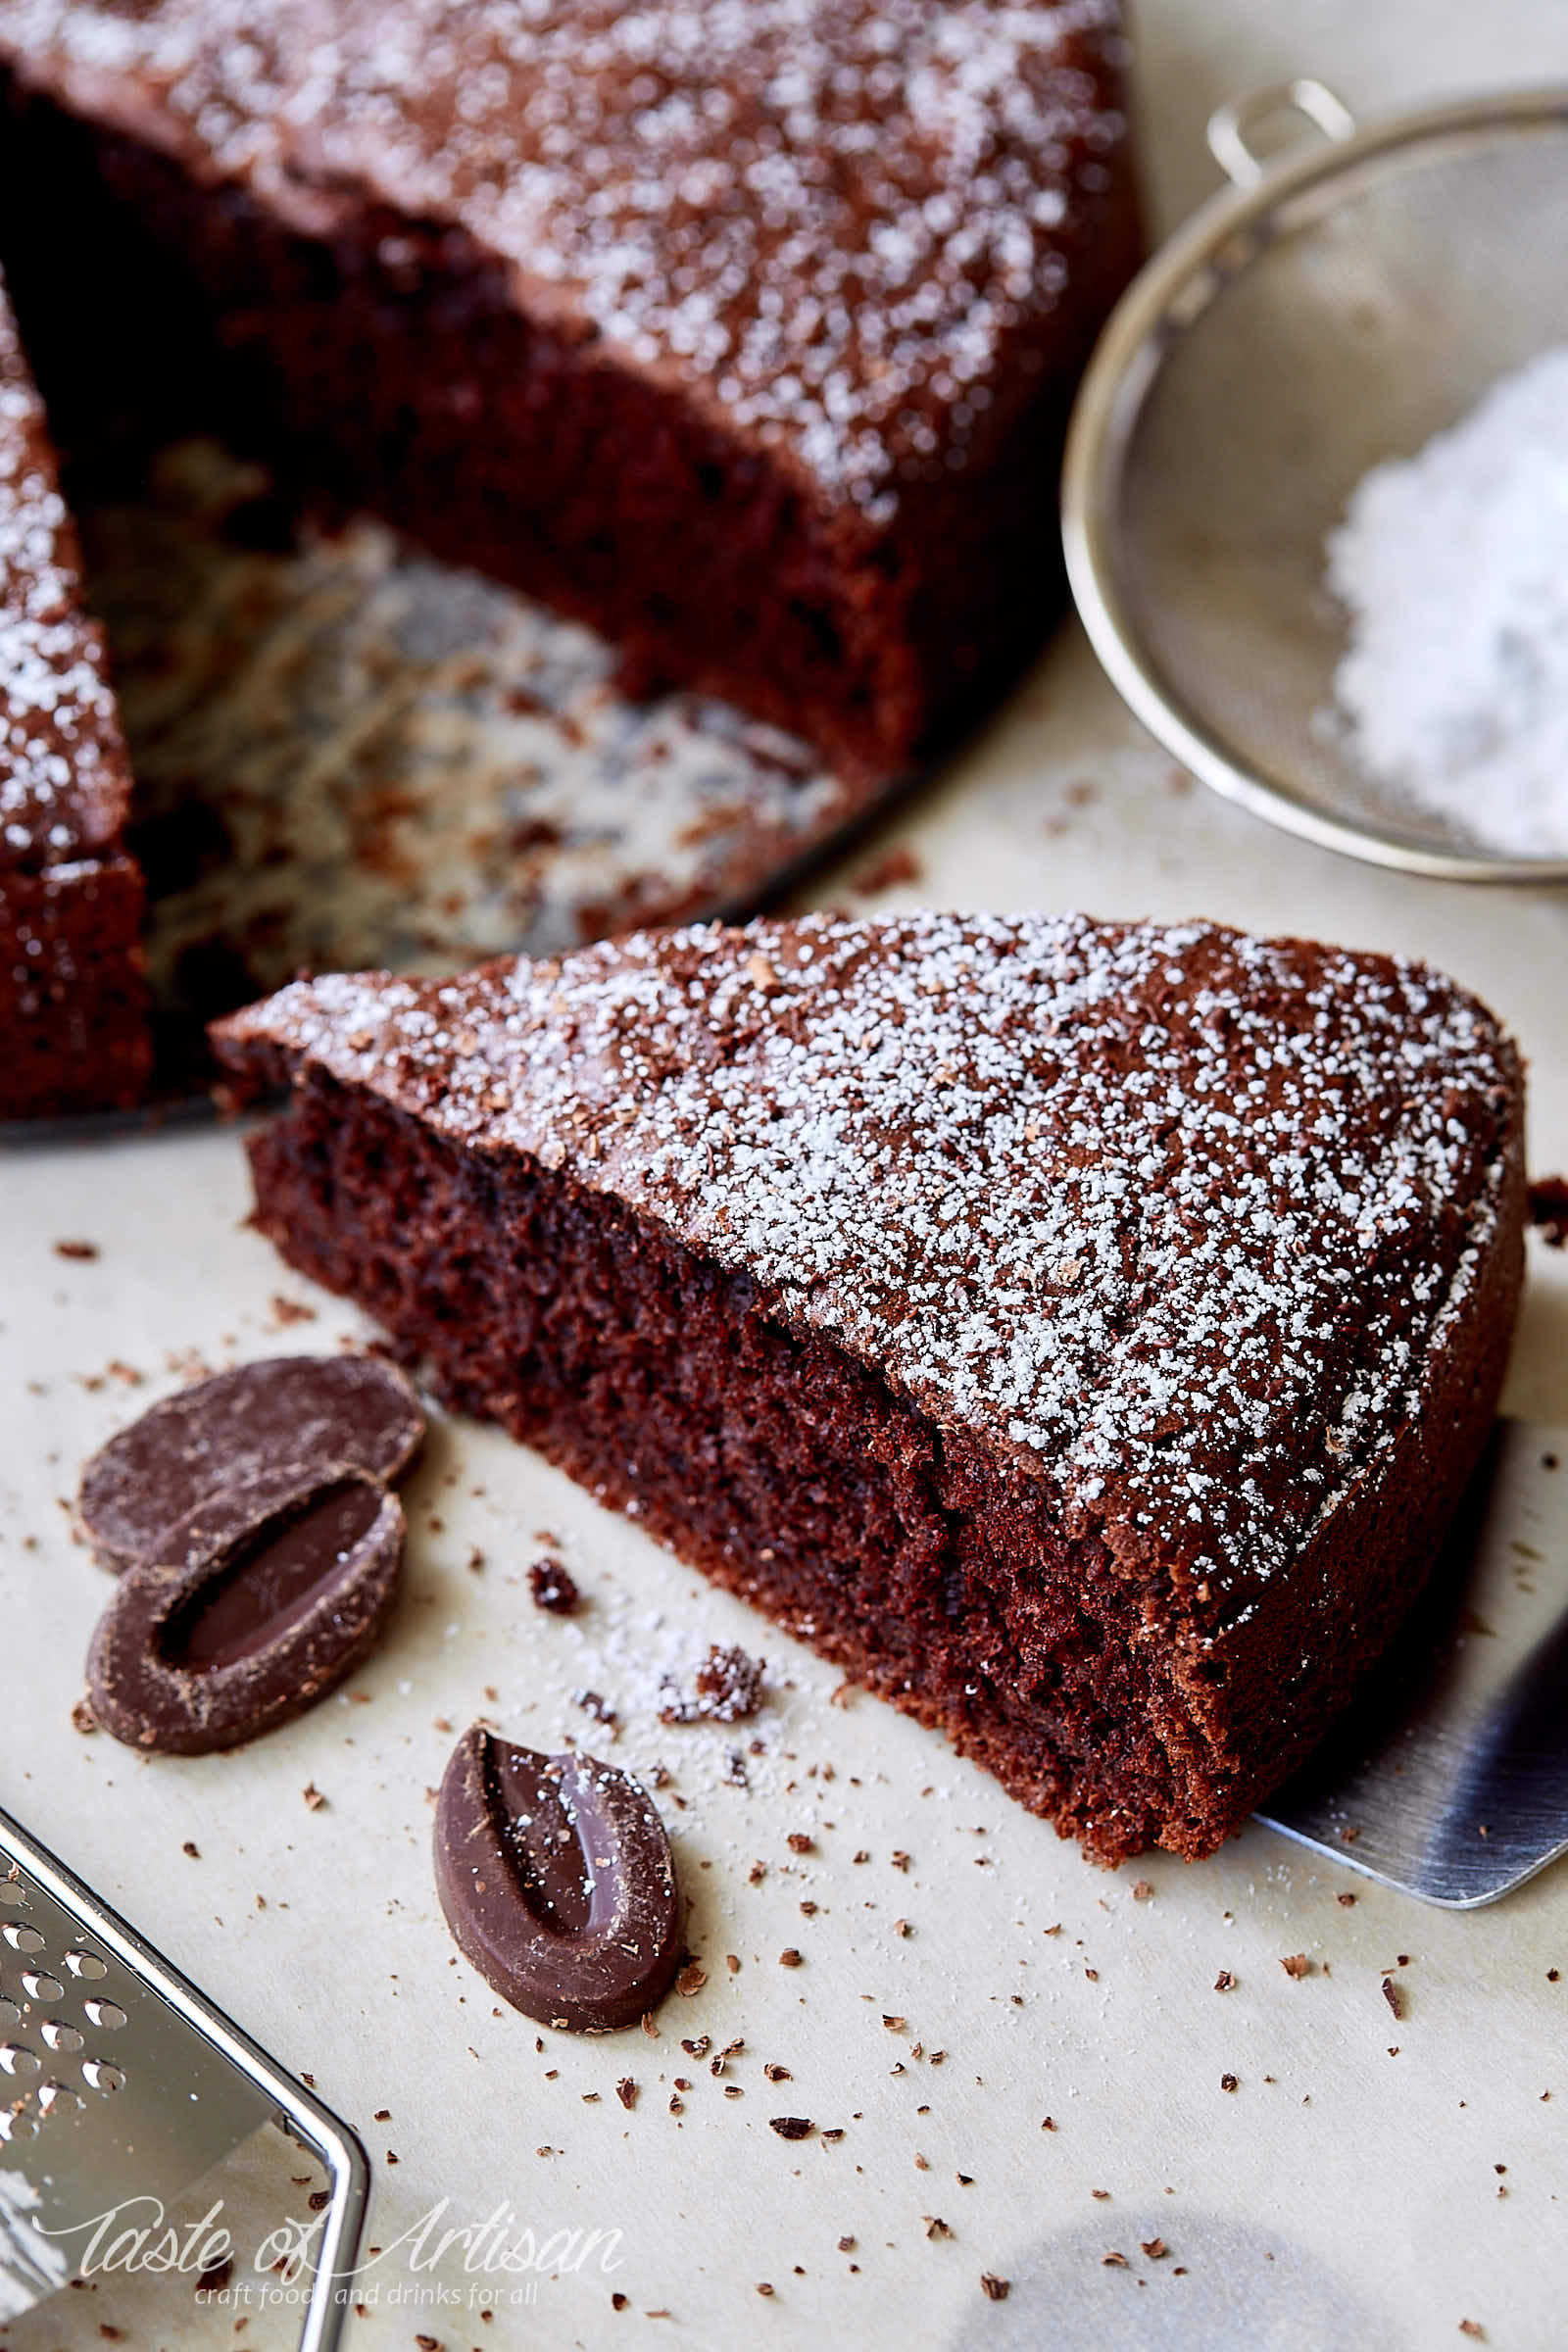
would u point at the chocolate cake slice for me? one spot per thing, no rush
(744, 330)
(73, 1003)
(1080, 1332)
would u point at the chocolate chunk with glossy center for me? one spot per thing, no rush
(558, 1880)
(320, 1410)
(252, 1607)
(247, 1612)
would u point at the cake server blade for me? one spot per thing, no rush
(1448, 1777)
(118, 2080)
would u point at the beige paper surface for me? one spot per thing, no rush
(1350, 2191)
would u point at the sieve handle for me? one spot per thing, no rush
(1230, 126)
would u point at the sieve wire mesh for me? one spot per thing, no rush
(1344, 323)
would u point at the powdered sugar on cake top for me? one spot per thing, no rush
(59, 779)
(826, 214)
(1175, 1217)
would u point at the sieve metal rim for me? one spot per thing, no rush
(1111, 398)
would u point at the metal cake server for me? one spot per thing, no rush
(1448, 1777)
(120, 2081)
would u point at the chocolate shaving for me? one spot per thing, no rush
(553, 1589)
(896, 865)
(1549, 1209)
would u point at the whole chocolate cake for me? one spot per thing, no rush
(744, 333)
(73, 1020)
(1081, 1332)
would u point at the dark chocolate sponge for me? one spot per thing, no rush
(73, 1003)
(744, 332)
(1081, 1332)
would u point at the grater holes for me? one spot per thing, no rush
(12, 1897)
(61, 2036)
(19, 2060)
(39, 1985)
(9, 2014)
(86, 1964)
(58, 2098)
(108, 2015)
(15, 2127)
(22, 1938)
(100, 2074)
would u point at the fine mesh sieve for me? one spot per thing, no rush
(1337, 307)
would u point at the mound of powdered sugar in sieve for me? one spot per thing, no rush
(1453, 566)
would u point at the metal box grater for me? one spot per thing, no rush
(119, 2080)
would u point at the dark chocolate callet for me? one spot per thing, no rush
(558, 1880)
(320, 1410)
(247, 1612)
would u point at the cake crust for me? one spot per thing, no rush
(1132, 1302)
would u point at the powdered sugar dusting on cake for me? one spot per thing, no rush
(1175, 1215)
(826, 214)
(60, 750)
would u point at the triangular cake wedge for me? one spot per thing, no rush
(1081, 1333)
(73, 1029)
